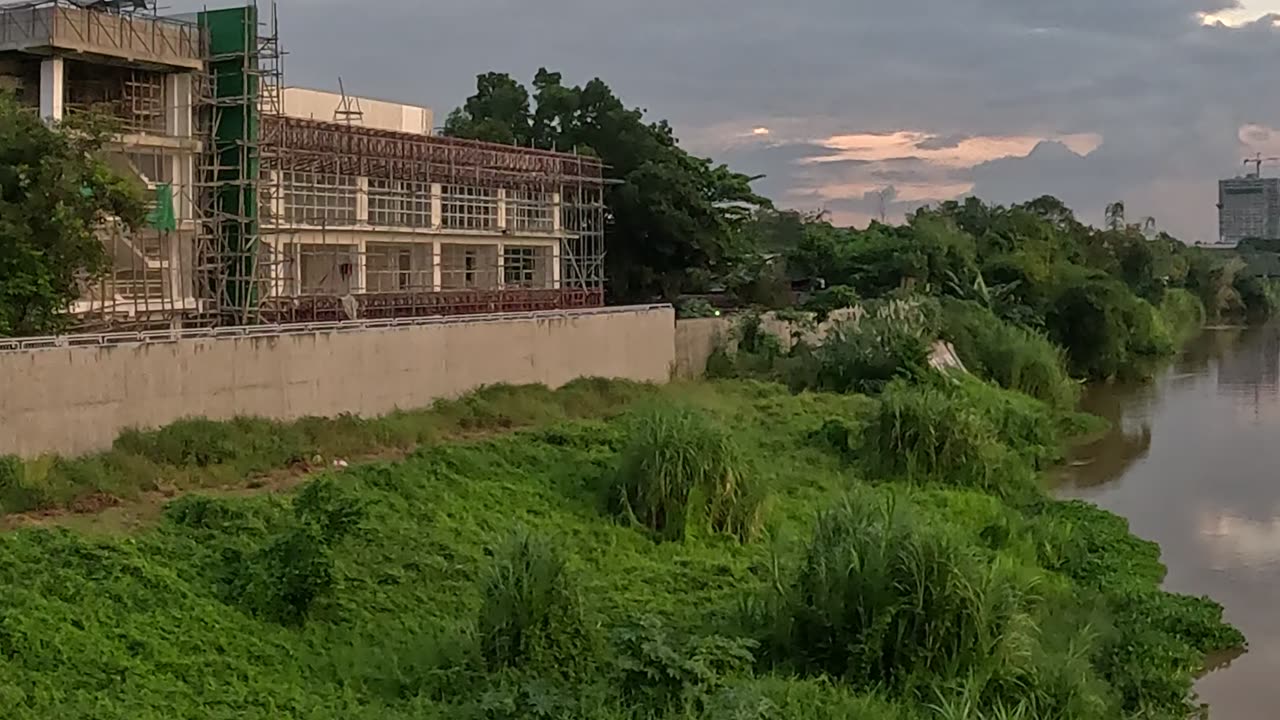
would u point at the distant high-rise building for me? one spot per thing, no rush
(1248, 207)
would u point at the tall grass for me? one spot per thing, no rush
(936, 433)
(531, 617)
(882, 600)
(679, 468)
(1012, 356)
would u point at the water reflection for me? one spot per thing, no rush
(1190, 460)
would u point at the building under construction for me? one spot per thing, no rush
(279, 204)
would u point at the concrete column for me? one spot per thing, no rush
(502, 265)
(177, 91)
(437, 207)
(295, 250)
(362, 201)
(279, 254)
(275, 184)
(175, 269)
(52, 89)
(362, 259)
(555, 266)
(502, 209)
(556, 224)
(437, 277)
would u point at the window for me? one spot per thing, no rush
(399, 203)
(469, 268)
(469, 208)
(319, 199)
(404, 268)
(524, 267)
(464, 267)
(530, 212)
(153, 166)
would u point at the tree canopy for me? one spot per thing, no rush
(55, 189)
(1093, 291)
(675, 221)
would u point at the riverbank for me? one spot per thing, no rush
(1189, 462)
(398, 589)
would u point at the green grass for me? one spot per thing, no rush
(488, 578)
(679, 468)
(1007, 354)
(199, 454)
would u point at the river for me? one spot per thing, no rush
(1193, 460)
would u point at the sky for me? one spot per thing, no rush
(863, 106)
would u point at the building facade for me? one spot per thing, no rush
(141, 71)
(290, 204)
(1248, 207)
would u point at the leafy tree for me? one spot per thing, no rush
(674, 220)
(55, 192)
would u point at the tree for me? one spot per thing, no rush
(55, 191)
(673, 218)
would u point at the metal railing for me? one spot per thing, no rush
(250, 331)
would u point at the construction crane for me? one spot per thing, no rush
(1257, 163)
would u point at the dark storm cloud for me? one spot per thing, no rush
(942, 142)
(1167, 95)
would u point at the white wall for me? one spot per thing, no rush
(380, 114)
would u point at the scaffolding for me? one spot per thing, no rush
(262, 217)
(244, 70)
(130, 66)
(433, 225)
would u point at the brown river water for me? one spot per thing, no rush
(1193, 460)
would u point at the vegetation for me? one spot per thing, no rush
(678, 467)
(195, 454)
(1112, 299)
(840, 530)
(490, 577)
(678, 222)
(55, 189)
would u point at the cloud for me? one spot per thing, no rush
(942, 142)
(1161, 89)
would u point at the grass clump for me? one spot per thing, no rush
(864, 356)
(680, 467)
(531, 616)
(881, 600)
(935, 434)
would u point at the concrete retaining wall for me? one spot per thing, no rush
(73, 400)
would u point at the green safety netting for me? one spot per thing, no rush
(161, 216)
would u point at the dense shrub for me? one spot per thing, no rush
(831, 299)
(531, 617)
(663, 669)
(283, 579)
(1183, 313)
(680, 467)
(1105, 329)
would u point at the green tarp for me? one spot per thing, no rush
(162, 217)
